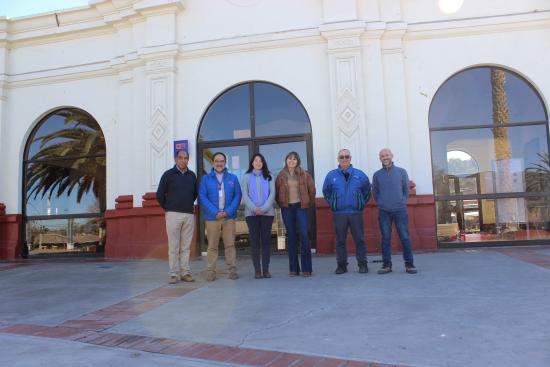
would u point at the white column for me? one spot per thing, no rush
(346, 89)
(375, 96)
(159, 53)
(3, 98)
(397, 120)
(160, 78)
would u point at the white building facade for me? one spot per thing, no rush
(365, 71)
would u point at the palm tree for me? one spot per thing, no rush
(537, 178)
(507, 210)
(75, 159)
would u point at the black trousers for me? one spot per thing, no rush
(259, 228)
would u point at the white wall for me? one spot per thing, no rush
(108, 61)
(301, 69)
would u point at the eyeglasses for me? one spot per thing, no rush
(344, 157)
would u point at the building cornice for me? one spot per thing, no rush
(478, 26)
(99, 17)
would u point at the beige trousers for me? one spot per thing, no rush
(225, 228)
(179, 228)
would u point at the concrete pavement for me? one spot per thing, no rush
(464, 308)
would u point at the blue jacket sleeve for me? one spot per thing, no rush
(210, 209)
(374, 188)
(366, 191)
(327, 190)
(406, 184)
(231, 209)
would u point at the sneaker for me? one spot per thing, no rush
(173, 279)
(187, 278)
(267, 274)
(258, 275)
(306, 274)
(211, 276)
(385, 269)
(233, 275)
(293, 273)
(341, 269)
(363, 268)
(411, 269)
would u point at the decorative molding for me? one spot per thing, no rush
(347, 105)
(340, 43)
(159, 117)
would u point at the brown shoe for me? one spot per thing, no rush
(293, 273)
(173, 279)
(211, 276)
(267, 274)
(258, 275)
(187, 278)
(306, 274)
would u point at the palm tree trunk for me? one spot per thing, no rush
(506, 208)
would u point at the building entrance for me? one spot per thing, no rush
(275, 123)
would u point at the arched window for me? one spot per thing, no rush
(499, 191)
(255, 117)
(64, 184)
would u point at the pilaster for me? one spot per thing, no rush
(397, 120)
(346, 88)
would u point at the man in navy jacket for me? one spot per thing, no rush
(176, 194)
(347, 191)
(391, 191)
(220, 196)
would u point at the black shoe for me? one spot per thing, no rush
(385, 269)
(341, 269)
(411, 269)
(363, 268)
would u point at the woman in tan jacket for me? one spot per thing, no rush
(295, 193)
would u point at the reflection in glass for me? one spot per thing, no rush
(57, 187)
(528, 149)
(467, 99)
(66, 133)
(275, 154)
(237, 159)
(477, 221)
(228, 117)
(278, 112)
(65, 235)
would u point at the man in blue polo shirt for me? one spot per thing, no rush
(347, 191)
(390, 188)
(176, 194)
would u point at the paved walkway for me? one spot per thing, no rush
(464, 308)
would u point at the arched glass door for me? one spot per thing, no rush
(490, 160)
(64, 185)
(249, 118)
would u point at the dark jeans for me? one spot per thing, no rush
(401, 220)
(259, 228)
(294, 216)
(341, 224)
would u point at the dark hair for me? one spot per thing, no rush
(295, 155)
(265, 170)
(179, 151)
(218, 153)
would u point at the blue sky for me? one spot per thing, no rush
(19, 8)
